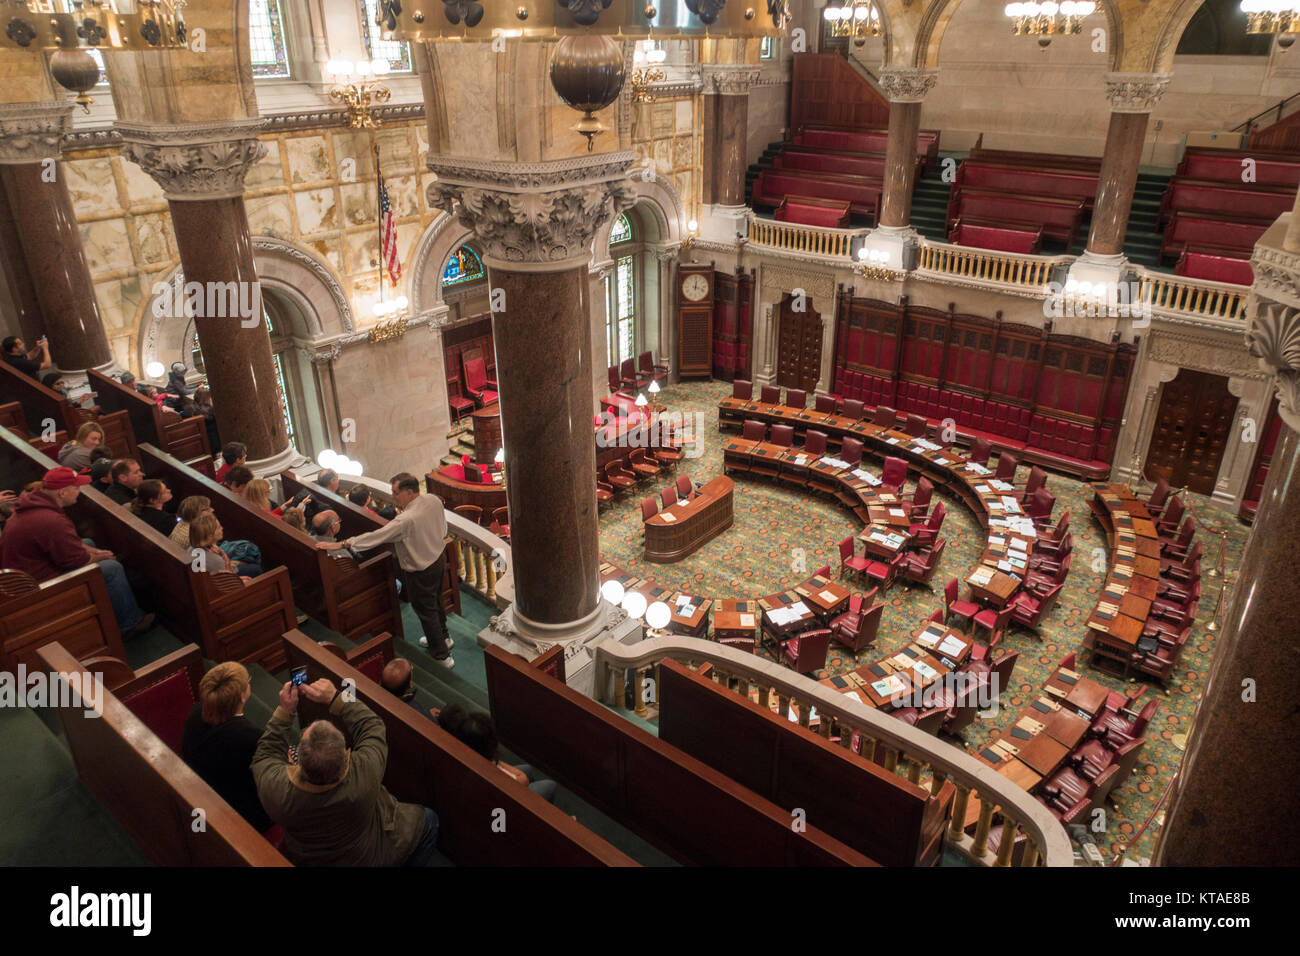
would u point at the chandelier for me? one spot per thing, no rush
(859, 20)
(1049, 18)
(1272, 16)
(358, 87)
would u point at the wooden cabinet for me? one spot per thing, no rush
(799, 345)
(733, 324)
(695, 284)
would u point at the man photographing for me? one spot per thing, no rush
(419, 535)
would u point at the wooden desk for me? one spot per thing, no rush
(782, 600)
(1061, 725)
(826, 597)
(942, 642)
(997, 590)
(455, 492)
(695, 624)
(682, 528)
(735, 623)
(1040, 752)
(487, 432)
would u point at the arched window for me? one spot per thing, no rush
(622, 293)
(398, 54)
(266, 43)
(462, 266)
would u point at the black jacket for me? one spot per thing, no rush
(223, 757)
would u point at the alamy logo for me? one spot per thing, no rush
(209, 300)
(38, 689)
(77, 909)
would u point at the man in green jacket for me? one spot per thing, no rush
(332, 802)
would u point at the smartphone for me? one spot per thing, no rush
(298, 676)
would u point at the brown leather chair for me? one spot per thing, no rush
(604, 493)
(1007, 465)
(851, 450)
(915, 425)
(893, 477)
(770, 395)
(886, 417)
(742, 390)
(615, 383)
(641, 465)
(648, 509)
(807, 652)
(645, 364)
(473, 512)
(857, 630)
(1159, 498)
(824, 404)
(1036, 479)
(796, 398)
(617, 477)
(500, 525)
(630, 378)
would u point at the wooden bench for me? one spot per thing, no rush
(1237, 201)
(853, 799)
(871, 165)
(1225, 165)
(429, 766)
(773, 185)
(1058, 218)
(1199, 228)
(44, 405)
(182, 438)
(73, 609)
(810, 211)
(867, 141)
(1015, 157)
(357, 600)
(985, 234)
(229, 620)
(1196, 264)
(357, 520)
(12, 418)
(1060, 183)
(689, 810)
(143, 782)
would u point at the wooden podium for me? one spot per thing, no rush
(679, 530)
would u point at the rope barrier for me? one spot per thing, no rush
(1143, 829)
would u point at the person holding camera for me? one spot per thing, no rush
(27, 361)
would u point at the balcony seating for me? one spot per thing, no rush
(809, 210)
(1028, 610)
(642, 466)
(648, 509)
(982, 234)
(824, 404)
(850, 561)
(1234, 200)
(646, 366)
(617, 477)
(770, 395)
(921, 499)
(1058, 218)
(1205, 229)
(921, 565)
(862, 193)
(1224, 165)
(1196, 263)
(742, 390)
(473, 512)
(796, 398)
(477, 384)
(894, 476)
(629, 376)
(964, 610)
(807, 652)
(1076, 184)
(857, 630)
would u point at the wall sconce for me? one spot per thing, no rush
(874, 264)
(692, 233)
(356, 86)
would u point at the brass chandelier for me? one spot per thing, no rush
(1273, 16)
(859, 19)
(1049, 18)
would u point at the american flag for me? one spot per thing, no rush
(388, 234)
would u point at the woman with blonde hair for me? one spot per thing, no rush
(258, 494)
(190, 508)
(219, 741)
(76, 453)
(205, 537)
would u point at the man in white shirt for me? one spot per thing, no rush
(418, 535)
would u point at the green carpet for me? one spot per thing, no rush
(782, 535)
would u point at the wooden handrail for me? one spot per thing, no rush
(912, 750)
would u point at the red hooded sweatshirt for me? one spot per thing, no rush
(40, 539)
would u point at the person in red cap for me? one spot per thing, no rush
(42, 541)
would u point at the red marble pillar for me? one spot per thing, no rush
(38, 200)
(1119, 172)
(544, 368)
(725, 146)
(17, 277)
(900, 164)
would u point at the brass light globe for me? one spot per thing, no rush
(75, 70)
(587, 72)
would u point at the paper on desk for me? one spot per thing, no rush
(951, 646)
(746, 620)
(668, 516)
(797, 610)
(828, 596)
(896, 512)
(853, 694)
(925, 670)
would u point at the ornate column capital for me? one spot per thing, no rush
(907, 84)
(729, 79)
(533, 217)
(196, 161)
(1135, 92)
(1273, 317)
(32, 132)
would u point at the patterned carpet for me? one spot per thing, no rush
(783, 535)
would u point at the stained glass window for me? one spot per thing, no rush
(266, 38)
(622, 231)
(767, 48)
(284, 399)
(624, 314)
(397, 54)
(462, 266)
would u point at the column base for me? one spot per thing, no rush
(270, 467)
(513, 632)
(894, 242)
(724, 223)
(78, 382)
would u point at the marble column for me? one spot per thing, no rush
(17, 277)
(201, 169)
(56, 294)
(536, 223)
(1233, 797)
(726, 130)
(905, 89)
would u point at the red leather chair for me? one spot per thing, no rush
(921, 565)
(1040, 584)
(1040, 506)
(641, 465)
(1160, 663)
(1178, 546)
(1158, 499)
(479, 387)
(824, 404)
(936, 616)
(1051, 541)
(807, 652)
(921, 499)
(965, 610)
(630, 378)
(1170, 627)
(770, 395)
(1037, 479)
(615, 383)
(857, 631)
(459, 404)
(851, 451)
(1093, 758)
(850, 561)
(500, 525)
(796, 398)
(1118, 727)
(815, 443)
(1187, 567)
(668, 496)
(980, 450)
(1028, 610)
(648, 509)
(1049, 562)
(883, 573)
(924, 535)
(1174, 607)
(853, 409)
(742, 390)
(1007, 465)
(647, 367)
(783, 435)
(617, 477)
(1168, 523)
(894, 476)
(915, 425)
(886, 416)
(753, 430)
(994, 621)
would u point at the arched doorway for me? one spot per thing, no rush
(799, 346)
(1192, 430)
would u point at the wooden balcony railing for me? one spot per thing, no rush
(907, 751)
(1199, 297)
(813, 240)
(987, 265)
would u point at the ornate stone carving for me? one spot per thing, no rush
(1274, 339)
(729, 79)
(1277, 270)
(1135, 92)
(1207, 353)
(323, 355)
(819, 285)
(31, 132)
(269, 244)
(907, 84)
(202, 161)
(534, 213)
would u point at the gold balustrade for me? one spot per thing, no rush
(904, 750)
(987, 265)
(1216, 300)
(478, 553)
(792, 237)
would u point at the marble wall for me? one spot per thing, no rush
(666, 133)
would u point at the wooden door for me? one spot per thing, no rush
(1192, 430)
(799, 347)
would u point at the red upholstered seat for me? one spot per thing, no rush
(648, 368)
(894, 475)
(857, 631)
(771, 395)
(783, 435)
(807, 652)
(163, 707)
(372, 666)
(824, 404)
(883, 573)
(796, 398)
(955, 608)
(852, 409)
(477, 382)
(754, 430)
(849, 561)
(742, 389)
(921, 565)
